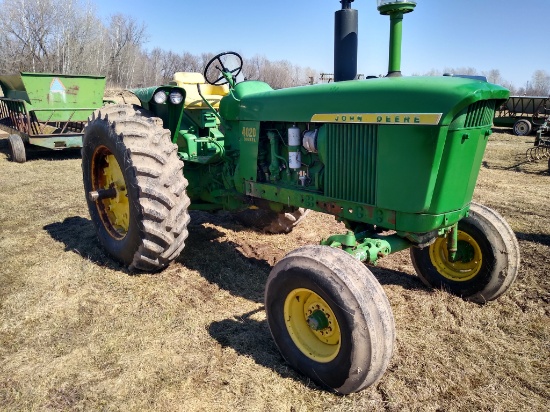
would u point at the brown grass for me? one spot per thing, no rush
(77, 332)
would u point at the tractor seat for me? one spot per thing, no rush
(193, 100)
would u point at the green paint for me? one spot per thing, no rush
(317, 320)
(55, 97)
(49, 110)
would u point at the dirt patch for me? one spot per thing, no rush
(77, 332)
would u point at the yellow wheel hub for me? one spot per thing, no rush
(467, 264)
(114, 211)
(312, 325)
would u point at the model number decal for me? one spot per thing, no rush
(379, 118)
(249, 134)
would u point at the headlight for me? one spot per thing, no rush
(159, 97)
(176, 97)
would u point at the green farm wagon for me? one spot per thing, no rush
(48, 111)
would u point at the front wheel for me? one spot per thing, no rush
(330, 318)
(134, 187)
(487, 259)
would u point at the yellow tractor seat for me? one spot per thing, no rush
(193, 100)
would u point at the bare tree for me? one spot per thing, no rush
(540, 83)
(126, 38)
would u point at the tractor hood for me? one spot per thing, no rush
(442, 97)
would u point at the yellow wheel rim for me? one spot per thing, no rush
(115, 211)
(312, 325)
(467, 264)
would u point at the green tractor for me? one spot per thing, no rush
(395, 158)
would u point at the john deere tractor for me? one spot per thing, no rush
(394, 158)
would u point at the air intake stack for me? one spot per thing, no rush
(345, 42)
(395, 9)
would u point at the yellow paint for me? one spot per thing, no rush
(114, 212)
(379, 118)
(320, 345)
(456, 271)
(118, 208)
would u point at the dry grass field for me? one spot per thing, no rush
(79, 333)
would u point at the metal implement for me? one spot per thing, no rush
(49, 110)
(541, 148)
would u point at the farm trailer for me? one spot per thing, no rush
(41, 110)
(395, 159)
(523, 113)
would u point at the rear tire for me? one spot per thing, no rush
(330, 318)
(144, 225)
(17, 148)
(522, 127)
(268, 221)
(489, 263)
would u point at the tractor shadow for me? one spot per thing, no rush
(540, 238)
(251, 338)
(239, 268)
(219, 261)
(520, 166)
(242, 268)
(78, 235)
(233, 267)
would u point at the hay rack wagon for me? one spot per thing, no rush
(47, 111)
(523, 113)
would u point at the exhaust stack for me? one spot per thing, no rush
(345, 42)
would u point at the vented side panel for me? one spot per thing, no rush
(350, 170)
(480, 114)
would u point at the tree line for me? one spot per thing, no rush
(67, 37)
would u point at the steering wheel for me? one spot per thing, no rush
(221, 62)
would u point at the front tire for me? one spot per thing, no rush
(488, 258)
(330, 318)
(142, 221)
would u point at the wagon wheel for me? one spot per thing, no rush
(269, 221)
(488, 258)
(330, 318)
(522, 127)
(134, 187)
(17, 148)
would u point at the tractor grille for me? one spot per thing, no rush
(480, 114)
(350, 169)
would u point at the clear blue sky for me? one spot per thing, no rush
(511, 36)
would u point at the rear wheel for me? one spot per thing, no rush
(135, 187)
(487, 260)
(17, 148)
(330, 318)
(522, 127)
(271, 222)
